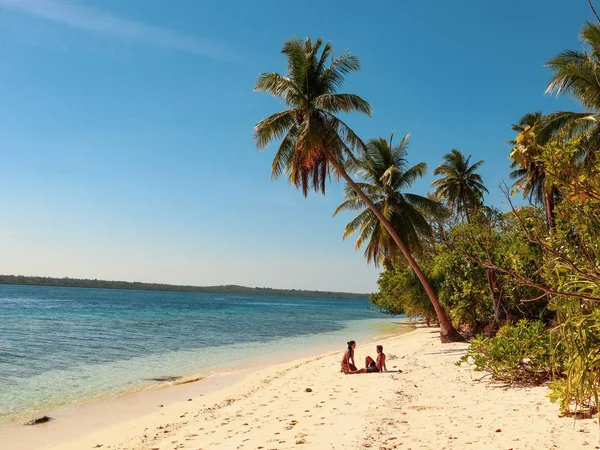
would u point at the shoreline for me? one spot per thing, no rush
(430, 404)
(115, 379)
(77, 419)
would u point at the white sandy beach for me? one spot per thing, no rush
(432, 404)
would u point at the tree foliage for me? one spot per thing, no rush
(385, 175)
(460, 186)
(309, 131)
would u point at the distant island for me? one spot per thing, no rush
(138, 286)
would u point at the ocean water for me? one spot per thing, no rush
(61, 346)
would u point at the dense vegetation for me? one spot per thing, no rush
(228, 289)
(523, 283)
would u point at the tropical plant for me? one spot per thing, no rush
(400, 292)
(314, 140)
(460, 186)
(576, 72)
(519, 353)
(477, 265)
(385, 175)
(572, 257)
(529, 172)
(463, 290)
(572, 276)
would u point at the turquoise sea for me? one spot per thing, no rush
(60, 346)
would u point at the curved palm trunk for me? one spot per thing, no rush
(447, 331)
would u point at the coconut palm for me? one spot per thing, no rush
(460, 186)
(314, 142)
(385, 176)
(577, 72)
(529, 172)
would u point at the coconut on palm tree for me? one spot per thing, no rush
(460, 186)
(314, 142)
(385, 176)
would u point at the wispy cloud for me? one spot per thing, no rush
(106, 24)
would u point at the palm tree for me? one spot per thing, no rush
(461, 187)
(383, 169)
(529, 172)
(314, 141)
(577, 73)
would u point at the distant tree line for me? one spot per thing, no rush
(228, 289)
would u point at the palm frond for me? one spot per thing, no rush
(351, 204)
(273, 127)
(285, 153)
(336, 103)
(333, 76)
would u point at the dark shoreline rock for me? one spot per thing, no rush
(39, 420)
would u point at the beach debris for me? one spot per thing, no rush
(308, 390)
(39, 420)
(165, 378)
(97, 446)
(160, 406)
(499, 430)
(189, 399)
(186, 380)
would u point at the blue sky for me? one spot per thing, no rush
(126, 145)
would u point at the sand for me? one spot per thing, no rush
(309, 404)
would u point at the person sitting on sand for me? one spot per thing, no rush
(376, 366)
(348, 365)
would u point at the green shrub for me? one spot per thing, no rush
(578, 332)
(520, 353)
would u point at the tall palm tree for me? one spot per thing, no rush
(460, 186)
(529, 172)
(462, 189)
(385, 176)
(314, 141)
(577, 72)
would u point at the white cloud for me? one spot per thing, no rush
(106, 24)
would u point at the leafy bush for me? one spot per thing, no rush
(578, 332)
(400, 292)
(464, 291)
(520, 353)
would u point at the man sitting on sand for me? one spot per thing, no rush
(376, 366)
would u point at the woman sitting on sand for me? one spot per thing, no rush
(348, 365)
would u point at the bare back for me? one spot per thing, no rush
(347, 357)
